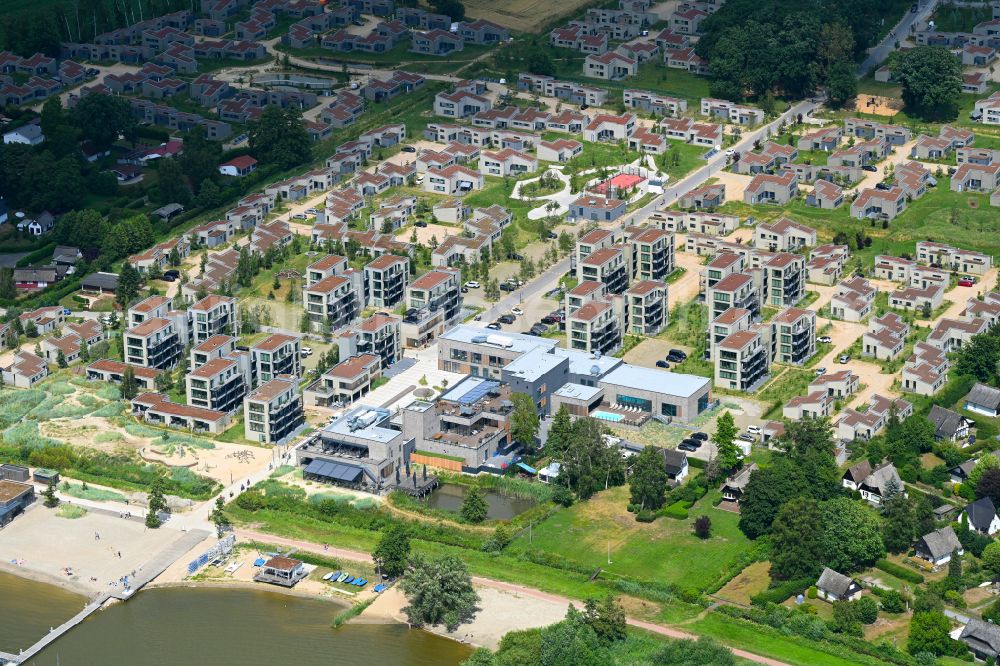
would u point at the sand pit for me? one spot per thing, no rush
(878, 105)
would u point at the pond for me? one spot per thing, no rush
(449, 497)
(172, 626)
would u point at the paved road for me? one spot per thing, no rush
(355, 556)
(881, 51)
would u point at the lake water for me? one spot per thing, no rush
(180, 626)
(449, 497)
(29, 609)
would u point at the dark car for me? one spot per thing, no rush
(540, 328)
(662, 364)
(408, 149)
(691, 442)
(171, 275)
(556, 317)
(676, 356)
(553, 235)
(703, 436)
(548, 320)
(420, 223)
(514, 256)
(883, 186)
(506, 319)
(494, 326)
(686, 447)
(505, 286)
(870, 167)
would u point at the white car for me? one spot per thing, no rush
(754, 429)
(516, 311)
(472, 284)
(307, 351)
(825, 339)
(730, 152)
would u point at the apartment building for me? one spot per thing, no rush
(212, 315)
(784, 279)
(594, 328)
(852, 300)
(385, 279)
(953, 258)
(736, 290)
(278, 354)
(273, 411)
(155, 343)
(814, 405)
(917, 298)
(220, 385)
(334, 301)
(347, 382)
(433, 302)
(885, 337)
(217, 346)
(473, 351)
(951, 335)
(652, 254)
(153, 307)
(742, 361)
(647, 307)
(608, 266)
(379, 334)
(839, 384)
(795, 331)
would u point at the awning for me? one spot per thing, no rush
(334, 471)
(527, 468)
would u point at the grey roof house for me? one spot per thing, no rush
(834, 586)
(982, 638)
(676, 465)
(938, 546)
(983, 399)
(982, 516)
(948, 424)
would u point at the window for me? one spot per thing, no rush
(668, 410)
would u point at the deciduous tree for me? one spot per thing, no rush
(474, 506)
(648, 483)
(524, 421)
(439, 592)
(931, 77)
(798, 540)
(852, 535)
(393, 550)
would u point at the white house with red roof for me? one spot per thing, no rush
(241, 166)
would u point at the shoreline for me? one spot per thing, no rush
(81, 589)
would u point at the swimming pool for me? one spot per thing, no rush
(607, 416)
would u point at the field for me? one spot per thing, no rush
(665, 550)
(523, 15)
(962, 218)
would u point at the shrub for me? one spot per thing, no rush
(892, 601)
(563, 496)
(812, 593)
(676, 510)
(646, 516)
(955, 598)
(866, 609)
(898, 571)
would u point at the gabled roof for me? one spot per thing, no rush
(981, 513)
(940, 542)
(984, 395)
(835, 583)
(946, 422)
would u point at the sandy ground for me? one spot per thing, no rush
(878, 105)
(406, 158)
(44, 544)
(424, 234)
(500, 612)
(735, 184)
(900, 154)
(522, 15)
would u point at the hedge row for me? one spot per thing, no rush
(900, 571)
(782, 591)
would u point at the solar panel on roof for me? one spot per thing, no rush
(477, 393)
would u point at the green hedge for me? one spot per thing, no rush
(782, 591)
(678, 510)
(697, 463)
(41, 254)
(900, 571)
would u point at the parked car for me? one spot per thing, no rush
(966, 282)
(686, 447)
(494, 326)
(662, 364)
(67, 312)
(312, 211)
(556, 317)
(553, 235)
(820, 371)
(844, 358)
(408, 149)
(514, 256)
(754, 429)
(505, 286)
(676, 356)
(870, 167)
(306, 351)
(703, 436)
(690, 441)
(540, 328)
(472, 284)
(506, 319)
(420, 223)
(299, 216)
(516, 311)
(746, 437)
(548, 320)
(825, 339)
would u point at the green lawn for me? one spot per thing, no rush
(665, 550)
(952, 18)
(783, 388)
(963, 219)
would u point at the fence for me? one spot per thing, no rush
(220, 549)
